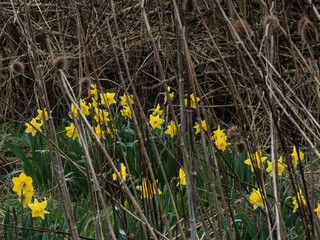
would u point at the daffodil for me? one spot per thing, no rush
(255, 160)
(172, 129)
(147, 189)
(299, 198)
(182, 178)
(107, 98)
(221, 143)
(38, 209)
(72, 131)
(34, 127)
(218, 134)
(84, 107)
(192, 101)
(126, 112)
(156, 121)
(294, 156)
(157, 110)
(317, 210)
(256, 199)
(171, 95)
(23, 184)
(92, 91)
(197, 127)
(74, 110)
(124, 100)
(94, 104)
(101, 116)
(122, 173)
(281, 167)
(40, 115)
(100, 134)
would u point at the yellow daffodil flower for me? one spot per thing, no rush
(156, 121)
(301, 200)
(256, 160)
(197, 127)
(171, 95)
(40, 115)
(256, 199)
(192, 101)
(107, 98)
(281, 167)
(218, 134)
(157, 110)
(23, 183)
(84, 107)
(38, 209)
(126, 112)
(99, 132)
(182, 178)
(74, 110)
(124, 100)
(34, 128)
(294, 156)
(101, 116)
(221, 143)
(172, 129)
(122, 173)
(72, 131)
(147, 189)
(92, 91)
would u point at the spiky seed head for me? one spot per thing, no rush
(241, 146)
(242, 28)
(189, 5)
(307, 30)
(233, 133)
(85, 82)
(273, 20)
(60, 62)
(17, 67)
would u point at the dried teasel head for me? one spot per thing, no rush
(241, 146)
(307, 30)
(273, 20)
(242, 28)
(85, 82)
(17, 66)
(189, 5)
(233, 133)
(60, 62)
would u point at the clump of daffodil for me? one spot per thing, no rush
(38, 209)
(34, 127)
(294, 156)
(122, 173)
(317, 210)
(40, 115)
(107, 98)
(147, 189)
(255, 160)
(157, 110)
(281, 167)
(171, 94)
(93, 92)
(72, 131)
(126, 112)
(256, 199)
(172, 129)
(182, 178)
(192, 101)
(23, 185)
(101, 116)
(197, 126)
(220, 139)
(124, 100)
(156, 121)
(299, 198)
